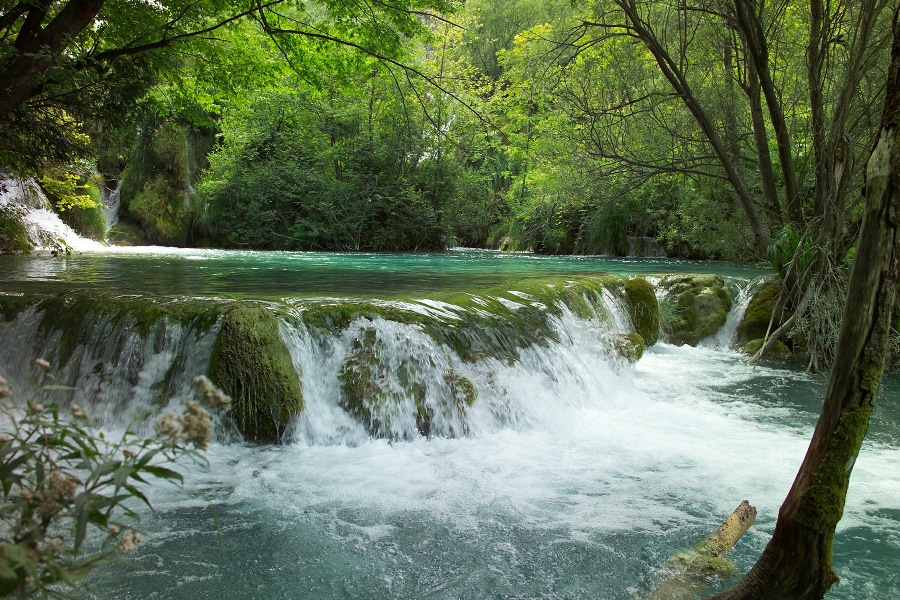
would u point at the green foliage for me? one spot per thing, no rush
(157, 184)
(13, 231)
(312, 175)
(66, 191)
(786, 248)
(67, 489)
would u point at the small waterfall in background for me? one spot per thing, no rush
(645, 247)
(45, 228)
(111, 201)
(726, 337)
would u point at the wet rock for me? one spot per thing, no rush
(643, 308)
(251, 363)
(694, 307)
(755, 323)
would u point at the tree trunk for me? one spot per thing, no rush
(764, 158)
(749, 22)
(796, 563)
(38, 50)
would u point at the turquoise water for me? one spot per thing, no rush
(577, 476)
(269, 275)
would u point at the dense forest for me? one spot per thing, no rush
(723, 130)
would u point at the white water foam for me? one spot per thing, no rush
(45, 228)
(726, 337)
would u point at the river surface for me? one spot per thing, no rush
(270, 275)
(577, 477)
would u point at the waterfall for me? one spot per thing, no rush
(111, 201)
(726, 337)
(398, 370)
(46, 230)
(645, 247)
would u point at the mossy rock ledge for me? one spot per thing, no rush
(628, 346)
(694, 307)
(643, 309)
(251, 363)
(755, 323)
(393, 400)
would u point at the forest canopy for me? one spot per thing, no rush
(703, 130)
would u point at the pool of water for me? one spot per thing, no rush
(252, 274)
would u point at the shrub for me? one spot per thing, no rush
(61, 479)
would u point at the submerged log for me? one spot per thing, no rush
(687, 573)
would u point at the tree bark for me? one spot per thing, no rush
(755, 39)
(764, 158)
(796, 563)
(39, 49)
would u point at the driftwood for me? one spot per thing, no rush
(687, 573)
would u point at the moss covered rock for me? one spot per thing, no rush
(643, 309)
(753, 346)
(759, 311)
(127, 234)
(11, 304)
(694, 307)
(400, 398)
(629, 346)
(251, 363)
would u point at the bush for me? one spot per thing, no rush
(13, 231)
(61, 479)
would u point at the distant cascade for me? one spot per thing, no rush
(45, 229)
(111, 199)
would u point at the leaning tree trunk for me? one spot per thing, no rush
(797, 561)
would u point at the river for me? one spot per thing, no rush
(572, 476)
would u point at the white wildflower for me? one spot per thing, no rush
(210, 395)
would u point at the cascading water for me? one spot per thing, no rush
(573, 473)
(45, 229)
(111, 199)
(726, 337)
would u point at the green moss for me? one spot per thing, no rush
(88, 221)
(462, 389)
(12, 304)
(126, 234)
(753, 346)
(643, 309)
(822, 504)
(629, 346)
(251, 363)
(755, 323)
(368, 394)
(14, 236)
(695, 307)
(702, 563)
(76, 315)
